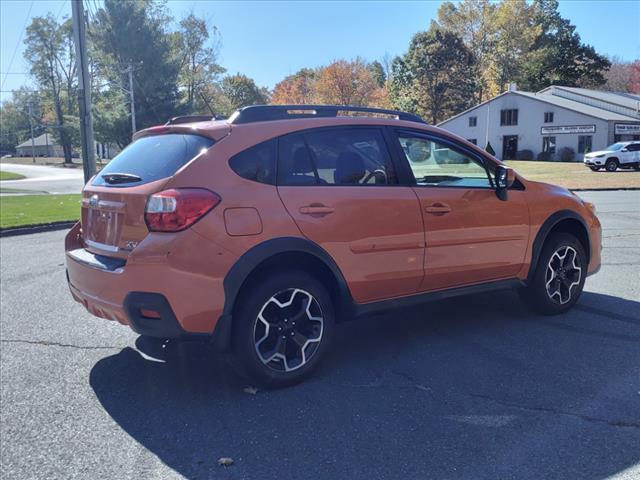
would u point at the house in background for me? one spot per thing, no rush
(549, 121)
(43, 146)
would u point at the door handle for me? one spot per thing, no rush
(438, 208)
(316, 209)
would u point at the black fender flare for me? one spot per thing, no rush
(251, 259)
(544, 231)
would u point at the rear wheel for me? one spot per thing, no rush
(559, 276)
(636, 167)
(595, 169)
(284, 327)
(611, 165)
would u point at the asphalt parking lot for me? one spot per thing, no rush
(468, 388)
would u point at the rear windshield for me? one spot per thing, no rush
(151, 158)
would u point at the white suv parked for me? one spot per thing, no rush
(618, 155)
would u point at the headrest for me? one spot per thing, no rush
(349, 168)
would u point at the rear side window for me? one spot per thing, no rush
(353, 156)
(257, 163)
(151, 158)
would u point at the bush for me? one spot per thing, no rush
(489, 149)
(567, 154)
(524, 155)
(545, 156)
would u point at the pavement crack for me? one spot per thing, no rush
(555, 411)
(46, 343)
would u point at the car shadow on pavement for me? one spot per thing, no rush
(473, 387)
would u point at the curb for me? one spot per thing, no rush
(27, 229)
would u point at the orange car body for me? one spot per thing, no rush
(386, 242)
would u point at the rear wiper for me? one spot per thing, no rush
(114, 178)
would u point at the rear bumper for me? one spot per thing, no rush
(187, 300)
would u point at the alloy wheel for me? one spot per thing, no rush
(288, 330)
(563, 274)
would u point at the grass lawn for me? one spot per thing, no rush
(20, 210)
(10, 176)
(574, 175)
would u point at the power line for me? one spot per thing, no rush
(13, 56)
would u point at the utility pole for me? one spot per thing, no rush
(33, 142)
(132, 99)
(84, 89)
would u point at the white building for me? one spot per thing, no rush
(551, 121)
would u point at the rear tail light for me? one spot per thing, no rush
(176, 209)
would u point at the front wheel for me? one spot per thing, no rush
(559, 276)
(636, 167)
(611, 165)
(284, 327)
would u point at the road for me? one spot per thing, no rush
(42, 178)
(468, 388)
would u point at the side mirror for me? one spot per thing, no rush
(505, 177)
(625, 149)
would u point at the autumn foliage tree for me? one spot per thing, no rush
(342, 82)
(345, 83)
(296, 89)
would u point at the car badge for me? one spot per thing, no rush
(93, 201)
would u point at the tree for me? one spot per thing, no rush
(199, 67)
(618, 77)
(515, 35)
(134, 35)
(377, 72)
(50, 53)
(436, 78)
(14, 118)
(634, 83)
(473, 22)
(296, 89)
(345, 83)
(559, 57)
(243, 91)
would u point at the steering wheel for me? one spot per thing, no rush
(378, 173)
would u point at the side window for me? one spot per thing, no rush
(436, 163)
(354, 156)
(294, 162)
(257, 163)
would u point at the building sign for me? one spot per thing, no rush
(627, 128)
(568, 129)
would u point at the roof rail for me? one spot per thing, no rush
(264, 113)
(190, 119)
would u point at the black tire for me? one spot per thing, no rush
(611, 165)
(254, 343)
(636, 167)
(537, 296)
(594, 169)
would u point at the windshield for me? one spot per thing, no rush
(616, 146)
(151, 158)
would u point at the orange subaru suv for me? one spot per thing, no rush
(262, 231)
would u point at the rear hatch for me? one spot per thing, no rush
(114, 201)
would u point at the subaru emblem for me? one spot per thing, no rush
(93, 201)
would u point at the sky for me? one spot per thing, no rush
(268, 40)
